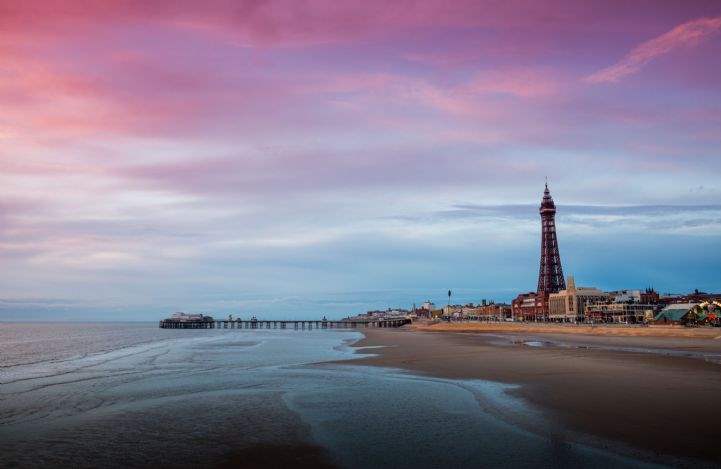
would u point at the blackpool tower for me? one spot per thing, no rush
(550, 274)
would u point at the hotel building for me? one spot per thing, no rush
(569, 305)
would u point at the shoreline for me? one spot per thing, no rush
(645, 403)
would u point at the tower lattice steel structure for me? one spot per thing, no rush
(550, 274)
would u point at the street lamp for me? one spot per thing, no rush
(450, 317)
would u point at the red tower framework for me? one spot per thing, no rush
(550, 274)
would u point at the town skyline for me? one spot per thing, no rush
(297, 158)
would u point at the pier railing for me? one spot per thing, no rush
(282, 324)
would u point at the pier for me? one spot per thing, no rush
(281, 324)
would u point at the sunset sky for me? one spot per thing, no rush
(298, 158)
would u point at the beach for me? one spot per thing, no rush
(655, 395)
(606, 330)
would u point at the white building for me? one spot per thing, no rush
(626, 312)
(184, 317)
(396, 313)
(626, 296)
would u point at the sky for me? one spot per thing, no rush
(303, 158)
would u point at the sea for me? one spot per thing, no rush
(134, 395)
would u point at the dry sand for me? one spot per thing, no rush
(603, 330)
(659, 403)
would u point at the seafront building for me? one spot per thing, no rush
(527, 307)
(487, 312)
(495, 312)
(569, 305)
(707, 312)
(675, 313)
(626, 296)
(620, 313)
(650, 296)
(453, 310)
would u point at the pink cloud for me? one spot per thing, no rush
(117, 92)
(518, 82)
(280, 22)
(486, 96)
(290, 23)
(684, 35)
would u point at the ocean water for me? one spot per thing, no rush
(133, 395)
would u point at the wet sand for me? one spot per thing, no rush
(654, 401)
(279, 456)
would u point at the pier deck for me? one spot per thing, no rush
(282, 324)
